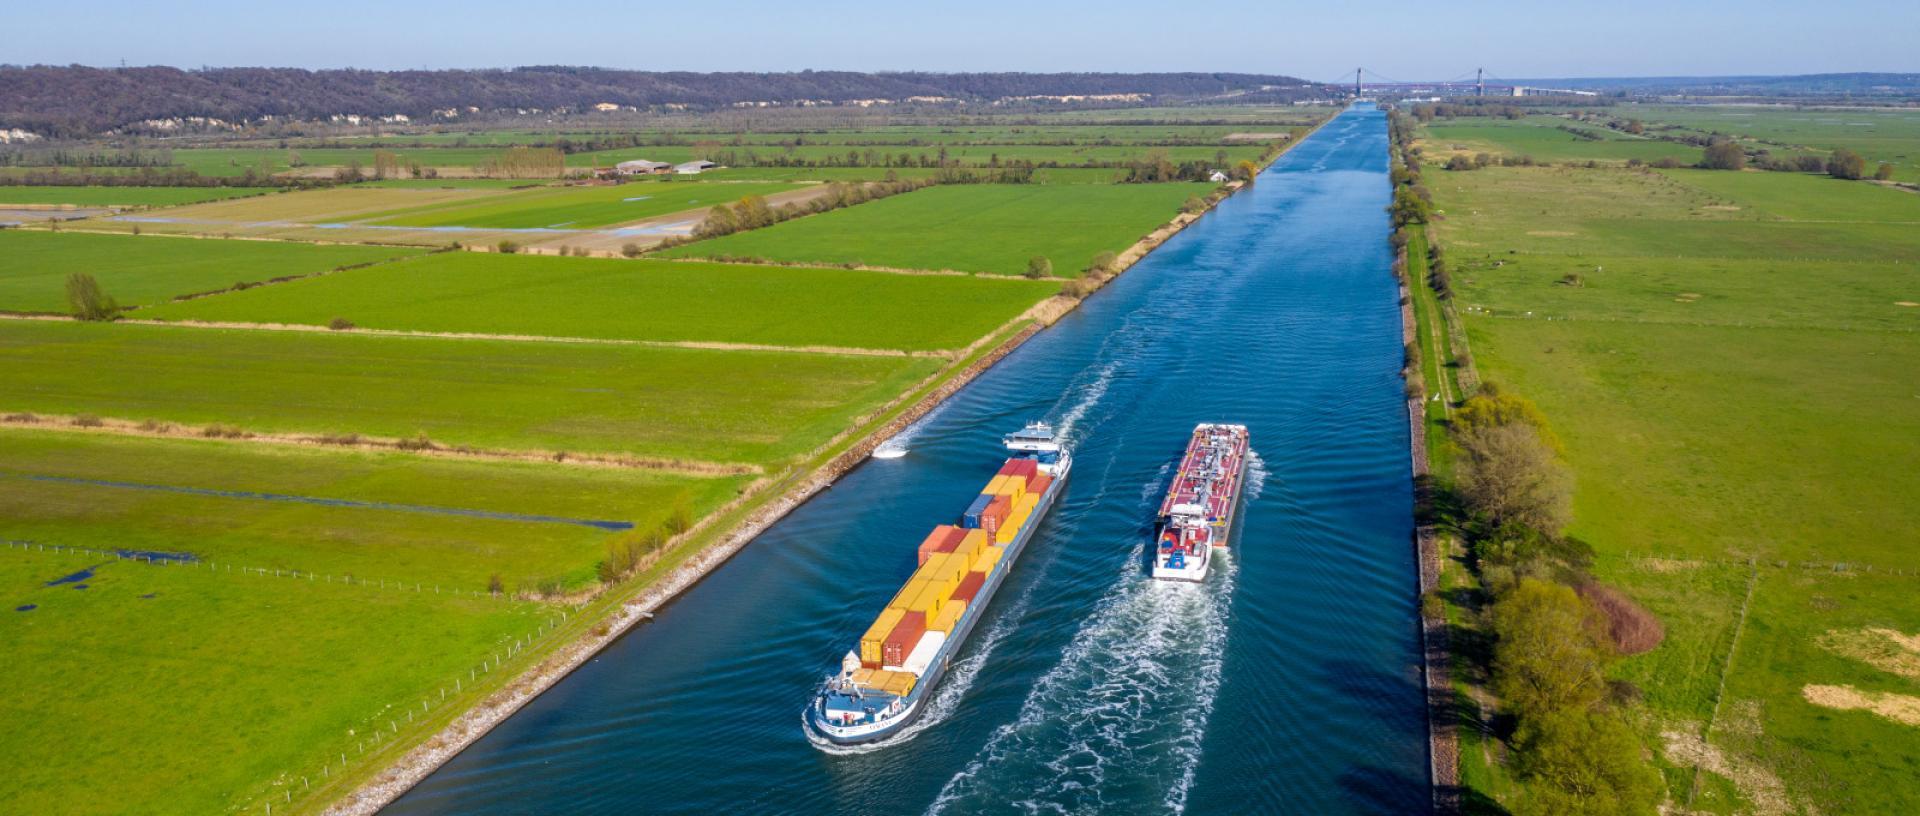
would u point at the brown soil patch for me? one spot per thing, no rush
(1884, 649)
(1550, 233)
(1669, 564)
(1907, 303)
(1722, 207)
(1900, 708)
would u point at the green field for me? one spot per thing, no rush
(453, 551)
(122, 196)
(232, 161)
(969, 227)
(729, 406)
(1540, 138)
(1730, 366)
(577, 207)
(1881, 135)
(638, 300)
(180, 690)
(150, 269)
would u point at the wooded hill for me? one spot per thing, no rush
(74, 101)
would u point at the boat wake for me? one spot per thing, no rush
(897, 445)
(1256, 475)
(1118, 722)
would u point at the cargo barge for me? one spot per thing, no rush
(1197, 514)
(884, 684)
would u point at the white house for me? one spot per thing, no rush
(641, 167)
(693, 167)
(1217, 176)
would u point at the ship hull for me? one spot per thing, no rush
(924, 689)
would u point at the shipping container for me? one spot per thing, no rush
(1010, 528)
(989, 558)
(899, 642)
(864, 676)
(995, 487)
(904, 599)
(971, 545)
(877, 634)
(921, 657)
(1037, 486)
(949, 616)
(1020, 467)
(969, 587)
(929, 600)
(979, 506)
(995, 514)
(900, 684)
(944, 538)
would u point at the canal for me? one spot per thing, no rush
(1287, 684)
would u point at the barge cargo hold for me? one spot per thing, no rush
(884, 683)
(1197, 514)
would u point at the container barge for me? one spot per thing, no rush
(884, 683)
(1197, 514)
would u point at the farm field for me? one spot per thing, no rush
(638, 300)
(1728, 359)
(52, 495)
(231, 161)
(1541, 138)
(233, 679)
(725, 406)
(974, 228)
(576, 207)
(122, 196)
(1883, 135)
(146, 270)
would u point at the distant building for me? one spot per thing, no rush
(693, 167)
(1217, 176)
(641, 167)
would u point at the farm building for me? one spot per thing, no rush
(693, 167)
(641, 167)
(1217, 176)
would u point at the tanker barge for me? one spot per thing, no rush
(1197, 514)
(885, 682)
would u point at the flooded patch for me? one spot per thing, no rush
(75, 578)
(26, 607)
(149, 596)
(158, 555)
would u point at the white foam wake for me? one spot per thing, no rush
(1118, 722)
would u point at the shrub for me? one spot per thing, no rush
(1883, 173)
(1193, 205)
(218, 431)
(85, 299)
(507, 247)
(1630, 626)
(1846, 164)
(87, 421)
(1076, 288)
(631, 250)
(494, 584)
(680, 520)
(340, 324)
(1103, 262)
(1723, 155)
(1459, 162)
(20, 417)
(418, 442)
(1039, 267)
(339, 439)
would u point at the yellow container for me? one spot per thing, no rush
(996, 487)
(1011, 527)
(877, 634)
(930, 599)
(904, 599)
(971, 547)
(900, 683)
(949, 617)
(1016, 487)
(1027, 502)
(989, 558)
(864, 677)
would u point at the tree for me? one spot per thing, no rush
(1410, 206)
(86, 300)
(1549, 653)
(1039, 267)
(1507, 473)
(1245, 171)
(1636, 127)
(719, 221)
(494, 585)
(1493, 406)
(1846, 164)
(1584, 762)
(1883, 173)
(1103, 262)
(1724, 155)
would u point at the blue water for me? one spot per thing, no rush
(1288, 683)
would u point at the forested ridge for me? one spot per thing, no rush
(67, 101)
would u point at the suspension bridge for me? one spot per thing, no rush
(1476, 82)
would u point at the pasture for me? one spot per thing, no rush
(143, 270)
(1884, 135)
(969, 227)
(1541, 138)
(123, 196)
(726, 406)
(576, 207)
(638, 300)
(377, 515)
(190, 691)
(1728, 359)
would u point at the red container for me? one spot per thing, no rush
(1020, 467)
(944, 538)
(995, 513)
(906, 634)
(1038, 485)
(969, 586)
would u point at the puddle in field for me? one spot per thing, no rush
(148, 595)
(158, 555)
(26, 607)
(75, 578)
(79, 586)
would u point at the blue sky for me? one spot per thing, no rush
(1317, 41)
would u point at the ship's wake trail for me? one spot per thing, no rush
(1118, 722)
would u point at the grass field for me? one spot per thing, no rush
(731, 406)
(41, 502)
(337, 204)
(638, 300)
(1732, 376)
(578, 207)
(975, 228)
(180, 690)
(145, 270)
(228, 161)
(1539, 137)
(122, 196)
(1884, 135)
